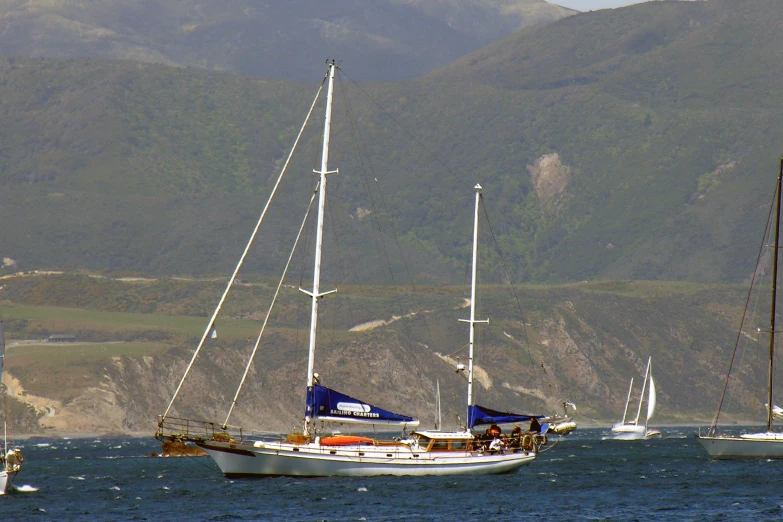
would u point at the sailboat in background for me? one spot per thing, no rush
(767, 444)
(632, 430)
(313, 451)
(10, 460)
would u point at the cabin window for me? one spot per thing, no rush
(439, 445)
(459, 445)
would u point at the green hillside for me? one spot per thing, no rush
(661, 116)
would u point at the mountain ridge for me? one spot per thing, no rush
(387, 40)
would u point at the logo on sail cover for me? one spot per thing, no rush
(353, 407)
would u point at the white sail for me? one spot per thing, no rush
(633, 430)
(651, 399)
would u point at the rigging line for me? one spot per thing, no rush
(363, 170)
(405, 323)
(375, 226)
(305, 254)
(413, 136)
(316, 164)
(752, 316)
(211, 324)
(269, 312)
(345, 270)
(457, 350)
(361, 154)
(511, 283)
(714, 425)
(752, 320)
(298, 330)
(361, 157)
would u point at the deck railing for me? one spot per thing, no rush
(196, 430)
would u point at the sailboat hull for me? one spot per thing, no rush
(6, 479)
(754, 447)
(313, 460)
(633, 432)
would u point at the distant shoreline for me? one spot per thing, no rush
(586, 425)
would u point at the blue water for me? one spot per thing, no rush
(581, 478)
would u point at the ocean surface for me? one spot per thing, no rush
(584, 477)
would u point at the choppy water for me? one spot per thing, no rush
(582, 478)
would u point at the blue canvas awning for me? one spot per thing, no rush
(480, 415)
(329, 405)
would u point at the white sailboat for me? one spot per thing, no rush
(10, 459)
(632, 430)
(311, 452)
(769, 443)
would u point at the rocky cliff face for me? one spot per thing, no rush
(550, 179)
(580, 344)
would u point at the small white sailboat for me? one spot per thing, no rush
(312, 452)
(632, 430)
(769, 443)
(11, 459)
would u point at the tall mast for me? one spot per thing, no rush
(437, 405)
(5, 399)
(627, 400)
(774, 299)
(472, 319)
(315, 294)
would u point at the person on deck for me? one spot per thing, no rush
(535, 426)
(516, 437)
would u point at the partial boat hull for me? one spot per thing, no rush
(6, 478)
(744, 447)
(633, 432)
(312, 460)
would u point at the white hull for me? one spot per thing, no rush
(633, 432)
(743, 447)
(641, 433)
(5, 481)
(312, 460)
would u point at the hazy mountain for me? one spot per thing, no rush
(383, 40)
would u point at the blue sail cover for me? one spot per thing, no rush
(330, 405)
(481, 415)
